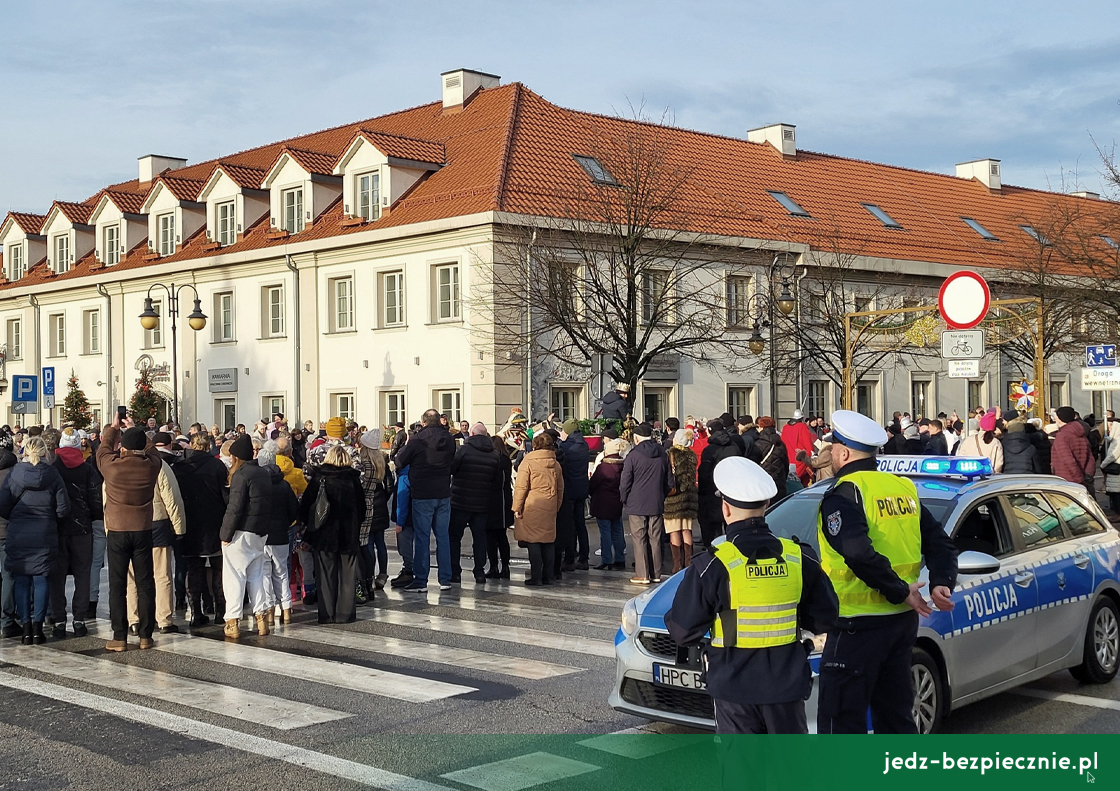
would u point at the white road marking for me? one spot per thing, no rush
(226, 737)
(529, 611)
(428, 652)
(524, 771)
(1065, 697)
(634, 743)
(436, 596)
(564, 595)
(509, 634)
(216, 698)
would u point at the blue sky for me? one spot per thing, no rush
(86, 87)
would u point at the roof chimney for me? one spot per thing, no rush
(986, 171)
(780, 136)
(459, 85)
(154, 164)
(1087, 194)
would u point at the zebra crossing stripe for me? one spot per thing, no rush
(524, 771)
(597, 620)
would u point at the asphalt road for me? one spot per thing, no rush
(404, 693)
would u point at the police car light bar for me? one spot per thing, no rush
(941, 466)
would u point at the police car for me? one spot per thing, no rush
(1038, 591)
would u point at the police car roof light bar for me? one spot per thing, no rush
(937, 466)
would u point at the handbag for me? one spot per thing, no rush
(320, 511)
(1111, 469)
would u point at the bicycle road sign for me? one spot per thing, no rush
(962, 344)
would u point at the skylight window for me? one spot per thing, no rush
(1110, 242)
(980, 229)
(595, 169)
(1032, 232)
(789, 204)
(881, 216)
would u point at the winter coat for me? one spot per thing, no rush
(537, 496)
(130, 483)
(821, 463)
(606, 501)
(796, 436)
(975, 446)
(202, 482)
(710, 510)
(615, 407)
(7, 461)
(285, 507)
(77, 476)
(684, 502)
(342, 530)
(937, 445)
(500, 514)
(167, 506)
(1042, 443)
(1070, 456)
(403, 515)
(1019, 455)
(475, 475)
(770, 453)
(1111, 456)
(428, 456)
(293, 474)
(895, 446)
(250, 502)
(646, 480)
(33, 499)
(377, 500)
(575, 458)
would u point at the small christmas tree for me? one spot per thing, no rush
(145, 401)
(75, 409)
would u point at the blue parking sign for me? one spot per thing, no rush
(1102, 355)
(25, 389)
(48, 379)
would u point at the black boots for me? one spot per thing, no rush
(27, 633)
(33, 633)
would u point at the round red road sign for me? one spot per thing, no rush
(963, 300)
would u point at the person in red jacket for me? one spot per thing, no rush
(1070, 456)
(797, 436)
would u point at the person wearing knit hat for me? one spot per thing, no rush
(371, 439)
(242, 448)
(335, 435)
(244, 535)
(985, 443)
(71, 438)
(1071, 456)
(1019, 453)
(75, 531)
(606, 506)
(135, 439)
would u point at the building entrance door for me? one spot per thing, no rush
(655, 404)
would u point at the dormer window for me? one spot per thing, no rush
(227, 223)
(369, 196)
(62, 253)
(111, 244)
(594, 168)
(166, 225)
(15, 261)
(292, 203)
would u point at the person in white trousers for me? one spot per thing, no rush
(244, 532)
(285, 509)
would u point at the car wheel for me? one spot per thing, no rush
(1102, 644)
(929, 692)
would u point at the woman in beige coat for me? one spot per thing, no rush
(536, 499)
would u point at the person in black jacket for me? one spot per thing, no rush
(475, 476)
(1019, 453)
(1041, 441)
(75, 533)
(732, 427)
(936, 445)
(379, 482)
(245, 527)
(769, 453)
(8, 620)
(574, 455)
(720, 447)
(335, 540)
(646, 480)
(616, 404)
(428, 457)
(203, 483)
(499, 518)
(285, 509)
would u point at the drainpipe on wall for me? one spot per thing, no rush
(298, 414)
(38, 350)
(108, 333)
(529, 331)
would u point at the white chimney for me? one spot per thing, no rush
(1087, 194)
(986, 171)
(781, 136)
(154, 164)
(460, 84)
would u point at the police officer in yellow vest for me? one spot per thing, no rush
(873, 533)
(754, 592)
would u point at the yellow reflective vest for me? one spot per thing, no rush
(764, 598)
(894, 525)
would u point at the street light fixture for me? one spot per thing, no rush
(786, 303)
(756, 343)
(149, 320)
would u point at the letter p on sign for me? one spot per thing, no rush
(24, 388)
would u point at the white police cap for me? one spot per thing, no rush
(857, 431)
(743, 483)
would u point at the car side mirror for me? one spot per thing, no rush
(973, 562)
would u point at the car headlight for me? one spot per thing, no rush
(629, 617)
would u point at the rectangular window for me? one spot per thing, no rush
(654, 288)
(816, 399)
(223, 313)
(975, 396)
(342, 296)
(153, 339)
(1099, 397)
(565, 402)
(1079, 521)
(919, 399)
(62, 253)
(816, 309)
(449, 402)
(865, 399)
(447, 293)
(739, 400)
(343, 405)
(369, 196)
(15, 339)
(15, 262)
(292, 201)
(58, 335)
(881, 216)
(789, 204)
(227, 223)
(91, 329)
(1038, 521)
(985, 234)
(1057, 394)
(738, 296)
(111, 245)
(273, 311)
(272, 405)
(392, 407)
(166, 223)
(392, 299)
(862, 304)
(225, 413)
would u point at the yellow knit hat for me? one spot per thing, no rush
(336, 428)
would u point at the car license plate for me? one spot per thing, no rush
(670, 676)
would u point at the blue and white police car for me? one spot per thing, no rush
(1038, 591)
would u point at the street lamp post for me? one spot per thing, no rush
(770, 303)
(149, 320)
